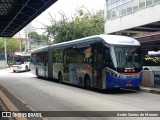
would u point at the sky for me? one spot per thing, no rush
(68, 7)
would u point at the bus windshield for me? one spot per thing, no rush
(21, 59)
(128, 56)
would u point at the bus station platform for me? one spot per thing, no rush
(150, 90)
(10, 106)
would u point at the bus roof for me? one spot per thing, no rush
(109, 39)
(40, 49)
(22, 54)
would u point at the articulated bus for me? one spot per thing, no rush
(100, 61)
(22, 63)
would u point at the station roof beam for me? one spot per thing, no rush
(16, 14)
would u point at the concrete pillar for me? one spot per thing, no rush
(148, 78)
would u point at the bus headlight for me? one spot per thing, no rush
(19, 67)
(138, 75)
(113, 74)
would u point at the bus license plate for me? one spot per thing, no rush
(129, 85)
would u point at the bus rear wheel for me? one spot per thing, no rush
(87, 83)
(26, 68)
(60, 78)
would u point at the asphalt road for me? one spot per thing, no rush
(44, 95)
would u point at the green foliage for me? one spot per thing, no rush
(1, 46)
(11, 43)
(84, 24)
(127, 34)
(34, 35)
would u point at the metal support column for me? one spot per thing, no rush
(5, 51)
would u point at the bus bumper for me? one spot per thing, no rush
(115, 82)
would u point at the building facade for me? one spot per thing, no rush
(124, 15)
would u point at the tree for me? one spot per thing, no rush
(1, 46)
(84, 24)
(11, 43)
(35, 36)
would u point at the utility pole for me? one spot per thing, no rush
(5, 51)
(20, 42)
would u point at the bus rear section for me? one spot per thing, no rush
(22, 63)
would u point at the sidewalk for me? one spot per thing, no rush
(150, 90)
(10, 103)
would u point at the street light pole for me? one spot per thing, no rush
(5, 51)
(20, 42)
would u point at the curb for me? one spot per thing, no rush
(150, 90)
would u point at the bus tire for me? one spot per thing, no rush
(14, 71)
(146, 69)
(37, 74)
(26, 68)
(87, 82)
(60, 77)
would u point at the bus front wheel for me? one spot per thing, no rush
(87, 83)
(26, 69)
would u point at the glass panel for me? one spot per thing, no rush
(123, 9)
(117, 11)
(129, 7)
(135, 5)
(142, 3)
(109, 7)
(156, 1)
(113, 13)
(70, 55)
(109, 1)
(109, 14)
(114, 5)
(149, 2)
(57, 56)
(123, 1)
(128, 57)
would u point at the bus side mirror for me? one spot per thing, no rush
(107, 55)
(90, 61)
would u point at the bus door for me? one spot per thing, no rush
(97, 65)
(66, 64)
(45, 64)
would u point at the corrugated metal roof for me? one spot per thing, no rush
(16, 14)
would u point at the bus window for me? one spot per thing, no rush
(57, 56)
(70, 55)
(106, 56)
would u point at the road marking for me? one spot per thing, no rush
(9, 104)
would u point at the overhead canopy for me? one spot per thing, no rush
(16, 14)
(150, 27)
(150, 42)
